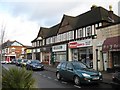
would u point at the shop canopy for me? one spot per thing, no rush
(111, 44)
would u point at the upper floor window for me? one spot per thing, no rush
(13, 49)
(34, 44)
(71, 35)
(88, 31)
(43, 42)
(100, 24)
(64, 36)
(58, 38)
(37, 43)
(79, 33)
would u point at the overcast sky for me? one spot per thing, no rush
(23, 18)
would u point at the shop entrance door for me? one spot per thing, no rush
(105, 61)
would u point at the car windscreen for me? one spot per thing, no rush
(25, 60)
(79, 65)
(19, 60)
(35, 61)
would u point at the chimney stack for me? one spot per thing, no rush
(110, 12)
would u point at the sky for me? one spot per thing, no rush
(22, 19)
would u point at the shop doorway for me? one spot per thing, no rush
(105, 60)
(116, 59)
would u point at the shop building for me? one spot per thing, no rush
(110, 48)
(13, 50)
(78, 34)
(59, 53)
(28, 53)
(81, 51)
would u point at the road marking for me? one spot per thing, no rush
(44, 76)
(77, 86)
(55, 79)
(40, 74)
(49, 77)
(36, 72)
(64, 82)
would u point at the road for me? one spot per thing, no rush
(47, 79)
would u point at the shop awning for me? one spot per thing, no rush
(111, 44)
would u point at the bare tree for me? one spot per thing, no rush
(2, 34)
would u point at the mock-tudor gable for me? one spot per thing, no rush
(66, 24)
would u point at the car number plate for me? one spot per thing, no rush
(95, 78)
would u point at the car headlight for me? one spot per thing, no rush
(86, 75)
(34, 66)
(100, 73)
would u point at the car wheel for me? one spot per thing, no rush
(77, 80)
(58, 76)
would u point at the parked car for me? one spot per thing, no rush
(116, 79)
(18, 62)
(77, 72)
(24, 62)
(34, 65)
(13, 61)
(3, 62)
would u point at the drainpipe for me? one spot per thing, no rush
(96, 59)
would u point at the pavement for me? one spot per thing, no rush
(107, 77)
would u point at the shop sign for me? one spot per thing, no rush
(82, 43)
(34, 50)
(28, 51)
(38, 50)
(59, 48)
(45, 49)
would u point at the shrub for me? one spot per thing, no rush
(17, 78)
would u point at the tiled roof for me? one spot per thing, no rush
(9, 43)
(94, 16)
(44, 32)
(53, 30)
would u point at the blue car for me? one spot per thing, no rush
(77, 72)
(34, 65)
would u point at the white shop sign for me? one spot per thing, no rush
(59, 48)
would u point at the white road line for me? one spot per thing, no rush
(55, 79)
(49, 77)
(77, 86)
(64, 82)
(40, 74)
(44, 76)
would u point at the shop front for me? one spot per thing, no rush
(59, 53)
(36, 54)
(81, 51)
(9, 57)
(111, 53)
(28, 54)
(45, 55)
